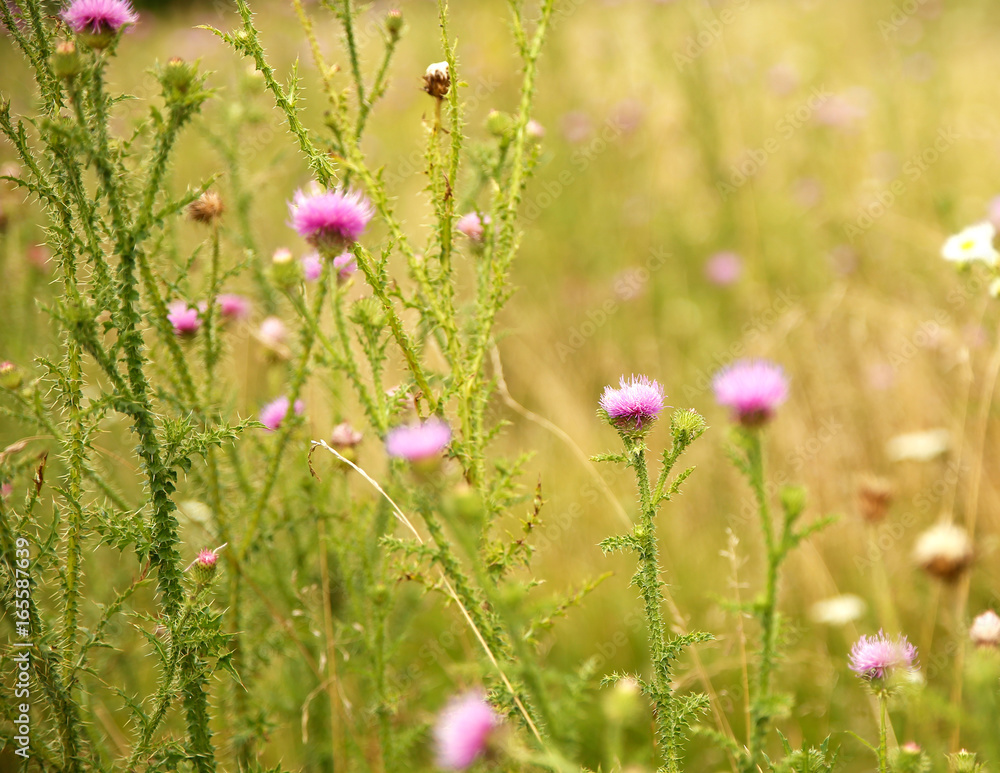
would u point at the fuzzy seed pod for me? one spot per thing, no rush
(437, 80)
(874, 498)
(944, 551)
(207, 208)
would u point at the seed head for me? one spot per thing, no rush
(944, 551)
(437, 80)
(207, 208)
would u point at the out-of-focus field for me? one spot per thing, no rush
(833, 146)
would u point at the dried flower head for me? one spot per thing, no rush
(437, 80)
(273, 414)
(944, 551)
(463, 730)
(184, 319)
(877, 657)
(420, 442)
(985, 630)
(207, 208)
(971, 244)
(753, 389)
(874, 497)
(634, 405)
(98, 21)
(330, 220)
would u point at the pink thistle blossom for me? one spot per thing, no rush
(724, 268)
(752, 388)
(273, 414)
(985, 630)
(876, 657)
(184, 318)
(233, 306)
(99, 17)
(330, 219)
(206, 558)
(418, 442)
(345, 265)
(463, 730)
(312, 266)
(473, 226)
(634, 406)
(272, 332)
(6, 489)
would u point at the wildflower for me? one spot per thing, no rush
(344, 436)
(345, 264)
(973, 243)
(205, 566)
(419, 442)
(273, 414)
(634, 406)
(472, 225)
(874, 498)
(6, 489)
(919, 446)
(463, 730)
(207, 208)
(723, 268)
(233, 306)
(330, 220)
(312, 266)
(944, 551)
(752, 388)
(838, 610)
(985, 630)
(394, 23)
(437, 80)
(272, 333)
(877, 657)
(534, 130)
(184, 318)
(98, 21)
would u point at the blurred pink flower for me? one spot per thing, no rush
(272, 332)
(418, 442)
(752, 388)
(463, 730)
(724, 268)
(184, 318)
(233, 306)
(312, 266)
(345, 264)
(472, 225)
(99, 16)
(273, 414)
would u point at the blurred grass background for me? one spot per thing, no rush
(831, 112)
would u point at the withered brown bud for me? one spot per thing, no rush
(874, 497)
(207, 208)
(944, 551)
(437, 80)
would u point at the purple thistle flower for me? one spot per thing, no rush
(876, 657)
(312, 266)
(99, 17)
(418, 442)
(752, 388)
(331, 220)
(463, 730)
(634, 406)
(206, 558)
(472, 225)
(233, 306)
(273, 414)
(184, 318)
(724, 268)
(345, 265)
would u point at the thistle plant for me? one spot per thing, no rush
(632, 409)
(753, 390)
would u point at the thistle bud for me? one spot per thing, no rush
(207, 208)
(344, 436)
(10, 375)
(285, 271)
(910, 758)
(394, 23)
(944, 551)
(964, 762)
(65, 60)
(177, 78)
(498, 124)
(437, 80)
(205, 566)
